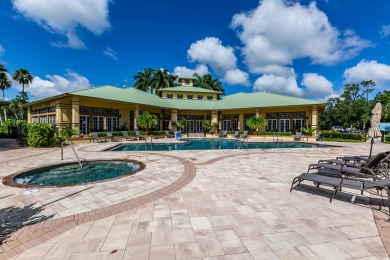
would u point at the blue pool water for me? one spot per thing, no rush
(212, 144)
(71, 173)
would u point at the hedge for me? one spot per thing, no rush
(335, 135)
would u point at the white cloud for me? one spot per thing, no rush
(201, 69)
(368, 70)
(385, 31)
(65, 17)
(237, 77)
(210, 51)
(280, 84)
(2, 50)
(317, 86)
(54, 85)
(111, 53)
(279, 31)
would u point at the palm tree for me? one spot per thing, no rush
(208, 82)
(5, 83)
(162, 79)
(147, 120)
(256, 121)
(23, 77)
(143, 79)
(2, 68)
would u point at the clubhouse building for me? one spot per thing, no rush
(110, 108)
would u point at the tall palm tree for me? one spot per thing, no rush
(2, 68)
(162, 79)
(143, 79)
(5, 83)
(208, 82)
(23, 77)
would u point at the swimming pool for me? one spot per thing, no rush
(212, 144)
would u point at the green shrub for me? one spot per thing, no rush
(333, 135)
(40, 135)
(387, 138)
(67, 132)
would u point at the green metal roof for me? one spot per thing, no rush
(235, 101)
(260, 99)
(3, 101)
(192, 104)
(190, 89)
(130, 95)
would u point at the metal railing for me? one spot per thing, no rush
(277, 138)
(74, 151)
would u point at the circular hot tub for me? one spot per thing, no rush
(67, 174)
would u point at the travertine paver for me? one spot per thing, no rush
(238, 207)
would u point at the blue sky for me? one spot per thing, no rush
(306, 49)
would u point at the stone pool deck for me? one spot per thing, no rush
(224, 204)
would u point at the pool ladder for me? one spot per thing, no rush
(240, 142)
(74, 151)
(277, 138)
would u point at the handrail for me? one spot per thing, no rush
(277, 138)
(74, 151)
(240, 142)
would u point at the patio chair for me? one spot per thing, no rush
(95, 137)
(167, 134)
(138, 135)
(112, 137)
(297, 136)
(333, 168)
(127, 136)
(236, 134)
(245, 134)
(222, 133)
(338, 183)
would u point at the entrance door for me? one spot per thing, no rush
(98, 123)
(112, 123)
(199, 126)
(190, 126)
(298, 124)
(284, 125)
(84, 124)
(226, 125)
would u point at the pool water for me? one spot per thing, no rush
(212, 144)
(70, 174)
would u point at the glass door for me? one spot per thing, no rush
(226, 125)
(98, 123)
(190, 126)
(84, 124)
(199, 126)
(284, 125)
(271, 125)
(112, 123)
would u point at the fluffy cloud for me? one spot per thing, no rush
(2, 50)
(186, 72)
(368, 70)
(64, 17)
(54, 85)
(279, 31)
(237, 77)
(210, 51)
(385, 31)
(111, 53)
(317, 86)
(282, 84)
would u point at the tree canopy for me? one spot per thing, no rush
(353, 106)
(23, 77)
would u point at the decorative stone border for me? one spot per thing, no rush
(10, 179)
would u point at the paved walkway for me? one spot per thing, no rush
(227, 204)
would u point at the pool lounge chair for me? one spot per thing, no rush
(127, 136)
(139, 136)
(222, 133)
(236, 134)
(297, 136)
(167, 134)
(245, 134)
(95, 137)
(333, 168)
(338, 183)
(112, 137)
